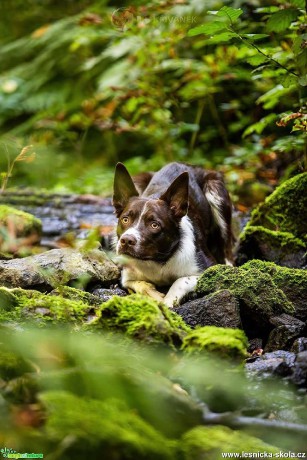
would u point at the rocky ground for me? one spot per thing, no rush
(254, 313)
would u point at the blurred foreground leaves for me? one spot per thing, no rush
(69, 395)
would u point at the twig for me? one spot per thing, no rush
(278, 64)
(238, 421)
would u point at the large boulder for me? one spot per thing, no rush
(263, 291)
(277, 229)
(57, 267)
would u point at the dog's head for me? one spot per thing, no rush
(148, 228)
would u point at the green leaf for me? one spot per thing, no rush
(272, 97)
(303, 80)
(260, 125)
(253, 37)
(222, 38)
(231, 13)
(302, 61)
(281, 20)
(256, 60)
(267, 9)
(207, 29)
(288, 80)
(298, 3)
(296, 47)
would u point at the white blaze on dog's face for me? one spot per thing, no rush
(148, 228)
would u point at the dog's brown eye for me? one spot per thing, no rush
(125, 220)
(155, 225)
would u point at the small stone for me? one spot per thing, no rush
(106, 294)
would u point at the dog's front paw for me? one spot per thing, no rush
(170, 301)
(145, 288)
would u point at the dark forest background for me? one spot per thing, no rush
(90, 83)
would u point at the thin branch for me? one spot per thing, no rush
(238, 421)
(278, 64)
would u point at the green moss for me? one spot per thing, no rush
(11, 365)
(283, 209)
(7, 299)
(22, 305)
(210, 442)
(274, 238)
(108, 427)
(24, 223)
(78, 295)
(293, 282)
(254, 289)
(142, 318)
(54, 309)
(226, 342)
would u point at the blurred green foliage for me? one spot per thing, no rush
(205, 82)
(69, 395)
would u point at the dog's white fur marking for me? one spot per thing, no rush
(179, 289)
(215, 202)
(135, 229)
(228, 262)
(182, 263)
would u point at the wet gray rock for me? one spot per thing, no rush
(277, 362)
(218, 309)
(56, 267)
(299, 376)
(286, 331)
(299, 345)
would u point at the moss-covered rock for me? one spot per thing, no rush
(227, 343)
(293, 283)
(23, 223)
(281, 247)
(277, 228)
(101, 429)
(141, 318)
(258, 296)
(210, 442)
(78, 295)
(19, 305)
(285, 209)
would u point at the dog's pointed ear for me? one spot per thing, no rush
(177, 195)
(124, 188)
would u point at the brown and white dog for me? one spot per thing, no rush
(172, 225)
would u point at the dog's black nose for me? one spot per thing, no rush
(128, 240)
